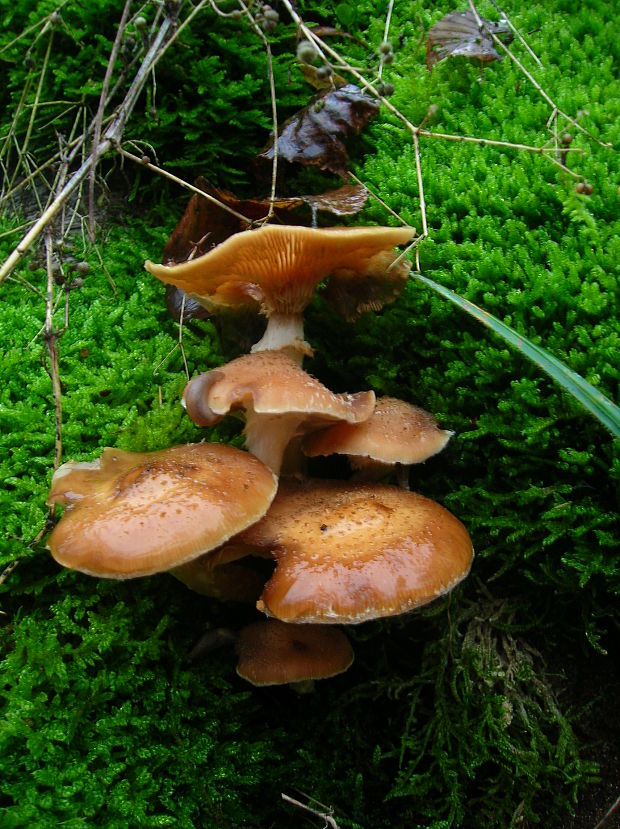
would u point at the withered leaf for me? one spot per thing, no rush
(352, 296)
(315, 135)
(458, 34)
(344, 201)
(205, 225)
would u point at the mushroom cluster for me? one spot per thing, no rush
(250, 525)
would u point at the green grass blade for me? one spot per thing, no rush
(592, 399)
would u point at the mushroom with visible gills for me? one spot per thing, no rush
(277, 268)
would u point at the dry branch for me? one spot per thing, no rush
(111, 137)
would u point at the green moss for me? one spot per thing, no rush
(447, 717)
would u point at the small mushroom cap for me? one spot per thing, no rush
(134, 514)
(269, 383)
(345, 554)
(274, 653)
(280, 400)
(279, 266)
(396, 432)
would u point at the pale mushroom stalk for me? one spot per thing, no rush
(285, 331)
(267, 437)
(280, 401)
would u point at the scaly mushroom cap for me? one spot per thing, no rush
(134, 514)
(279, 266)
(279, 399)
(345, 554)
(396, 432)
(273, 653)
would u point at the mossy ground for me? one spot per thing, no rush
(448, 717)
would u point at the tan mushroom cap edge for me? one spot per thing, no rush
(134, 514)
(280, 265)
(396, 432)
(349, 553)
(274, 653)
(280, 400)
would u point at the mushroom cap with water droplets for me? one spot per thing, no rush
(396, 432)
(348, 553)
(134, 514)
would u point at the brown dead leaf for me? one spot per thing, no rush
(344, 201)
(352, 296)
(458, 34)
(205, 225)
(315, 135)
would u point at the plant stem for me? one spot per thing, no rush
(111, 138)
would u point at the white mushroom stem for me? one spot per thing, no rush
(285, 331)
(267, 436)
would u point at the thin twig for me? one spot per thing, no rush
(274, 106)
(24, 145)
(516, 32)
(378, 199)
(51, 340)
(146, 162)
(99, 117)
(327, 817)
(386, 33)
(110, 139)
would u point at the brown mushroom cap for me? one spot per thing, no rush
(346, 554)
(133, 514)
(274, 653)
(224, 574)
(396, 432)
(279, 399)
(279, 266)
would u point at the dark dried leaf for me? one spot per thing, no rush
(352, 296)
(205, 225)
(315, 135)
(191, 308)
(345, 201)
(458, 34)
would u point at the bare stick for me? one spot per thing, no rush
(99, 117)
(110, 139)
(418, 169)
(378, 199)
(24, 146)
(609, 814)
(274, 108)
(327, 817)
(51, 339)
(386, 32)
(146, 162)
(515, 31)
